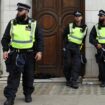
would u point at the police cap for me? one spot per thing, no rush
(101, 13)
(23, 6)
(78, 13)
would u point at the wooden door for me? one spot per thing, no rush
(53, 16)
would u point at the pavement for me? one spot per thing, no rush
(56, 93)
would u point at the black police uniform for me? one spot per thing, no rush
(100, 62)
(72, 61)
(21, 61)
(94, 41)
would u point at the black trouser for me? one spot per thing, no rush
(82, 70)
(72, 62)
(27, 71)
(83, 64)
(101, 65)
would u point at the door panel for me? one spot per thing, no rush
(53, 16)
(50, 54)
(70, 3)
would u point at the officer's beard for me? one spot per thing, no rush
(21, 18)
(101, 21)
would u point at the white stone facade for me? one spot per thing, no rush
(91, 10)
(8, 11)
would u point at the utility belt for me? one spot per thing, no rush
(103, 45)
(21, 50)
(73, 44)
(100, 56)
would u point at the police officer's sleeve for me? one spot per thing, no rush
(66, 32)
(6, 38)
(83, 41)
(92, 37)
(39, 39)
(82, 46)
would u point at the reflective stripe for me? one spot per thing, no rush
(17, 41)
(33, 25)
(71, 28)
(101, 37)
(76, 37)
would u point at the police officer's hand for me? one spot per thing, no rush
(5, 55)
(38, 56)
(99, 46)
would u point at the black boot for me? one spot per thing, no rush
(28, 98)
(75, 85)
(9, 102)
(102, 84)
(68, 83)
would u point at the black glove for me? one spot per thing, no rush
(83, 59)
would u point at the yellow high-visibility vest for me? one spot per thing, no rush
(76, 35)
(22, 36)
(100, 34)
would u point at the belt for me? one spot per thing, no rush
(22, 50)
(103, 45)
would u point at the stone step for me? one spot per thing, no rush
(90, 81)
(62, 79)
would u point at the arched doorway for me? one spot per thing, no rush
(53, 16)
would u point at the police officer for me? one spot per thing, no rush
(74, 37)
(22, 45)
(97, 38)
